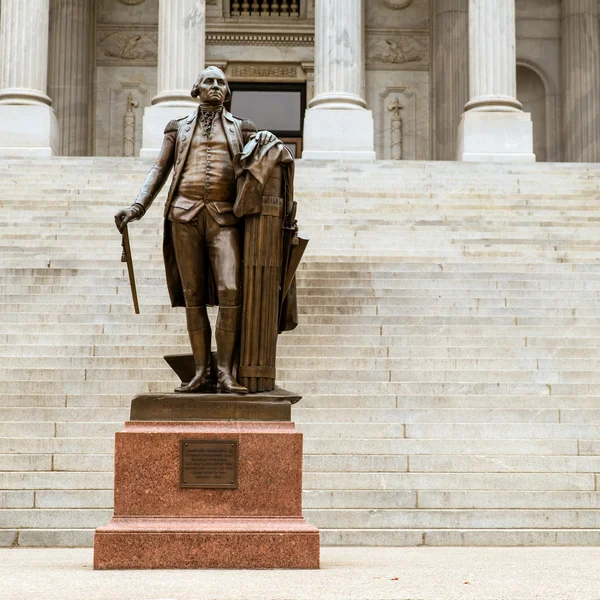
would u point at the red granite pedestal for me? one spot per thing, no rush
(158, 524)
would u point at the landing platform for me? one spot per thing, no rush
(346, 574)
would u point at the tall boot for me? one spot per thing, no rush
(227, 331)
(199, 332)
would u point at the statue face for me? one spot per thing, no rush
(212, 87)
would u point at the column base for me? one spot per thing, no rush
(338, 134)
(218, 543)
(156, 119)
(28, 130)
(495, 137)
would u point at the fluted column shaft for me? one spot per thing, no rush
(70, 72)
(581, 80)
(451, 72)
(181, 49)
(339, 61)
(492, 56)
(24, 52)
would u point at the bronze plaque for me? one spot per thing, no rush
(209, 464)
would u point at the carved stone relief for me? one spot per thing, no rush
(250, 72)
(396, 4)
(129, 121)
(133, 47)
(396, 130)
(396, 50)
(127, 102)
(397, 124)
(122, 93)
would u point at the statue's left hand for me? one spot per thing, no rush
(265, 137)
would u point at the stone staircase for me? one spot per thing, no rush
(449, 351)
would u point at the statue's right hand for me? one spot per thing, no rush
(127, 215)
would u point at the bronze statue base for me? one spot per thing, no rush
(268, 406)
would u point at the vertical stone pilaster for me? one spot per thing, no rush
(337, 125)
(28, 125)
(450, 71)
(493, 126)
(24, 52)
(580, 50)
(181, 55)
(70, 72)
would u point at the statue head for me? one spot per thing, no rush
(212, 87)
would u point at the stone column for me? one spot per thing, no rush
(70, 72)
(493, 127)
(581, 80)
(337, 124)
(181, 50)
(450, 71)
(28, 125)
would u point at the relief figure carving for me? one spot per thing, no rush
(129, 46)
(400, 51)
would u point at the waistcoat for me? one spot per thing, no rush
(208, 174)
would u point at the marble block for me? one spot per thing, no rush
(503, 136)
(156, 118)
(338, 134)
(28, 130)
(158, 524)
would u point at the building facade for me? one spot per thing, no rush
(385, 79)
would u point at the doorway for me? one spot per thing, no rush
(276, 107)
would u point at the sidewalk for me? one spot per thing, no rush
(346, 574)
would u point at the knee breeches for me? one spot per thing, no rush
(202, 244)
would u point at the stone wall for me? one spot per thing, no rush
(397, 53)
(126, 60)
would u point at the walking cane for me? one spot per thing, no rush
(126, 257)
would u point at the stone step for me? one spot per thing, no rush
(341, 430)
(345, 518)
(434, 519)
(344, 414)
(460, 537)
(335, 446)
(341, 463)
(357, 537)
(425, 499)
(298, 354)
(316, 363)
(451, 481)
(399, 379)
(564, 404)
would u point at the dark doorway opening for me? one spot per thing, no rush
(276, 107)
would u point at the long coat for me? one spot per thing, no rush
(173, 154)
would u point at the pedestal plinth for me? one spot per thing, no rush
(207, 493)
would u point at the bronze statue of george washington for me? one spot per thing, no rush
(202, 236)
